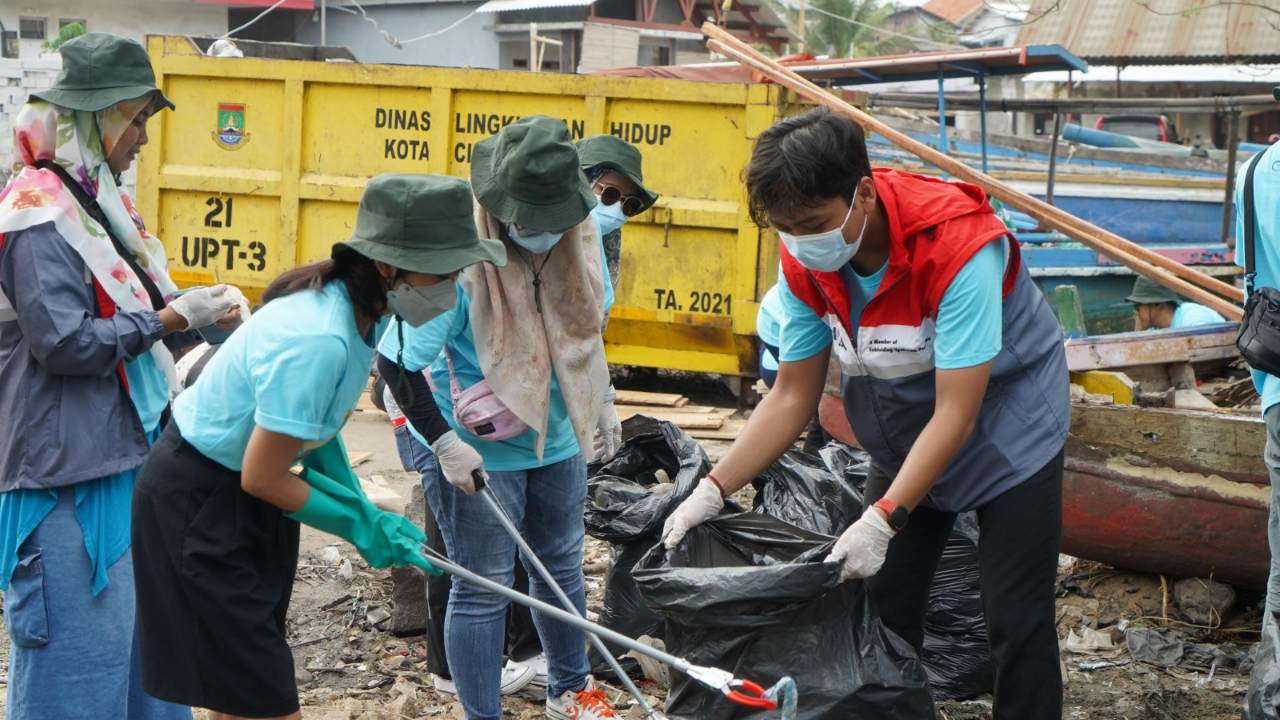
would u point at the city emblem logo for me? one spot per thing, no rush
(229, 133)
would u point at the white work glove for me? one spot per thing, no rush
(203, 307)
(862, 547)
(608, 435)
(704, 504)
(458, 461)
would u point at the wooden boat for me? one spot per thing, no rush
(1172, 205)
(1163, 490)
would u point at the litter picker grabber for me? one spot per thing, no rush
(782, 696)
(500, 512)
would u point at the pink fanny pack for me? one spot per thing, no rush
(480, 411)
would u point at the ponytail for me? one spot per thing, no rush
(358, 273)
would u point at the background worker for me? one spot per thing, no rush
(954, 380)
(527, 337)
(614, 167)
(88, 314)
(217, 509)
(1266, 248)
(1157, 307)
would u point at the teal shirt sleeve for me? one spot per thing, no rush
(1192, 314)
(804, 334)
(294, 384)
(422, 345)
(971, 315)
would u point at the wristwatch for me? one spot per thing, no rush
(897, 514)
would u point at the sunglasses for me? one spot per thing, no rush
(632, 205)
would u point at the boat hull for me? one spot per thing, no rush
(1170, 492)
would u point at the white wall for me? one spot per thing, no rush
(36, 69)
(131, 18)
(469, 44)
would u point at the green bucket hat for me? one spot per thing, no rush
(100, 70)
(1148, 292)
(617, 154)
(528, 174)
(421, 223)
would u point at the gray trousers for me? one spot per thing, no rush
(1272, 457)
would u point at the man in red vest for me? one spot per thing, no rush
(954, 381)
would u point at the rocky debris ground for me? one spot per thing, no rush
(1133, 647)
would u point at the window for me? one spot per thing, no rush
(33, 28)
(64, 22)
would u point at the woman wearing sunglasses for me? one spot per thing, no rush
(612, 166)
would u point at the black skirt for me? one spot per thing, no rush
(213, 571)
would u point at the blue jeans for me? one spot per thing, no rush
(73, 655)
(546, 503)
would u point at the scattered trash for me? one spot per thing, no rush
(750, 594)
(1153, 646)
(1089, 641)
(330, 554)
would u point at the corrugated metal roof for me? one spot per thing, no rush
(496, 6)
(953, 11)
(1153, 32)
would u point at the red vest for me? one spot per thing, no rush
(935, 227)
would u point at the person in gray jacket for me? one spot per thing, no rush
(85, 378)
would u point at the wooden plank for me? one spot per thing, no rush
(685, 421)
(1207, 442)
(1149, 347)
(686, 409)
(639, 397)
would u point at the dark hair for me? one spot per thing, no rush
(357, 272)
(803, 161)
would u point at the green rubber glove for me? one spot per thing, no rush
(383, 538)
(332, 461)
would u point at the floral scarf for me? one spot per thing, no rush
(79, 142)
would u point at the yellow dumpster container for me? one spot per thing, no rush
(261, 167)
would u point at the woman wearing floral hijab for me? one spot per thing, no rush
(85, 302)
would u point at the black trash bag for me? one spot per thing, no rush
(825, 495)
(627, 506)
(750, 594)
(1263, 700)
(803, 490)
(956, 651)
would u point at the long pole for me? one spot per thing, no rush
(1233, 141)
(324, 19)
(1053, 157)
(1141, 260)
(504, 519)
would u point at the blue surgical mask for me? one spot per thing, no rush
(825, 251)
(608, 217)
(535, 242)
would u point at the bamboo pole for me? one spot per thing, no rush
(1160, 269)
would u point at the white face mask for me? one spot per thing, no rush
(535, 242)
(418, 305)
(825, 251)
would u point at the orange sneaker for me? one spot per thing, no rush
(589, 703)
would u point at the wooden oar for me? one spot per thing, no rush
(1173, 275)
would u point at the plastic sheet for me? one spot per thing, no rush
(627, 506)
(750, 594)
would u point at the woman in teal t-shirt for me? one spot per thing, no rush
(216, 511)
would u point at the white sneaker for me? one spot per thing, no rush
(588, 703)
(514, 679)
(444, 685)
(539, 665)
